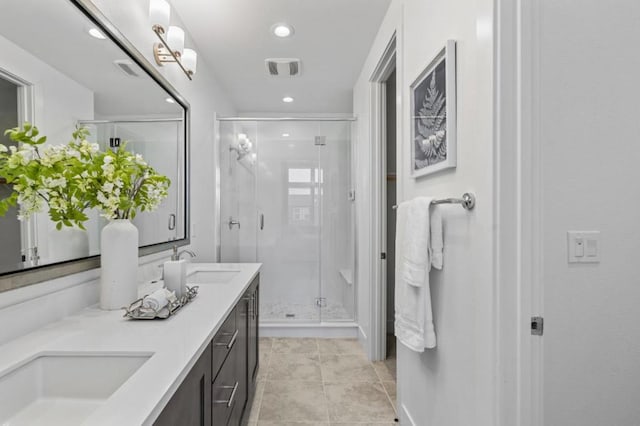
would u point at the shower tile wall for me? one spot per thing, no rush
(238, 193)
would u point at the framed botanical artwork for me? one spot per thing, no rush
(433, 115)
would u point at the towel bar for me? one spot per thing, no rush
(468, 201)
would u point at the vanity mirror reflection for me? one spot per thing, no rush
(62, 66)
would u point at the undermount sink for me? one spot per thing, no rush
(211, 277)
(62, 389)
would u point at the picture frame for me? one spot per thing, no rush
(433, 115)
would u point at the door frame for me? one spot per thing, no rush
(26, 112)
(387, 63)
(517, 203)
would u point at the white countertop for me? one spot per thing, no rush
(176, 344)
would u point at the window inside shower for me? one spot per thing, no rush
(287, 183)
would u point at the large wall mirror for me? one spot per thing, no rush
(62, 66)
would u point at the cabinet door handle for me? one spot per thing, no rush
(262, 221)
(231, 342)
(229, 401)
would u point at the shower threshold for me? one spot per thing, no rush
(342, 329)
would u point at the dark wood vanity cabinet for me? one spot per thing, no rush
(253, 348)
(191, 403)
(219, 390)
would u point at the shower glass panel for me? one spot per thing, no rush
(336, 214)
(238, 216)
(289, 215)
(285, 203)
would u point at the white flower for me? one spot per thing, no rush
(107, 187)
(108, 159)
(102, 198)
(108, 169)
(139, 160)
(3, 148)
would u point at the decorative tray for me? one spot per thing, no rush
(137, 311)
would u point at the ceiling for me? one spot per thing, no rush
(332, 39)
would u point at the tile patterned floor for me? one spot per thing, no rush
(322, 382)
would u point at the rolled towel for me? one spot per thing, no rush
(158, 299)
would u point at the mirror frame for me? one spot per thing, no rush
(38, 274)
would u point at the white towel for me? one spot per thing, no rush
(415, 242)
(158, 299)
(437, 242)
(413, 315)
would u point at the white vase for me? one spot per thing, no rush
(68, 243)
(119, 264)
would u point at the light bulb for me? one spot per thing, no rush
(190, 60)
(282, 30)
(95, 33)
(175, 39)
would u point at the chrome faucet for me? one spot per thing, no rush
(189, 252)
(176, 254)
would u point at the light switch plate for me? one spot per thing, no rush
(583, 246)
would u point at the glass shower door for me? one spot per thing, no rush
(336, 205)
(286, 203)
(289, 220)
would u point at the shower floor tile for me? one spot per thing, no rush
(279, 311)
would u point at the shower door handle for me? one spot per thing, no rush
(261, 221)
(233, 222)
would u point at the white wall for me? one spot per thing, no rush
(205, 96)
(452, 384)
(588, 130)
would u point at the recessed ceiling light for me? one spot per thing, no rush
(170, 101)
(94, 32)
(285, 135)
(282, 30)
(287, 99)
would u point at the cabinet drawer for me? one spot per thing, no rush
(223, 342)
(225, 390)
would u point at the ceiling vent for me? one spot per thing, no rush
(283, 67)
(127, 67)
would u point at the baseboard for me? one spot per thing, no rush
(321, 330)
(405, 417)
(363, 335)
